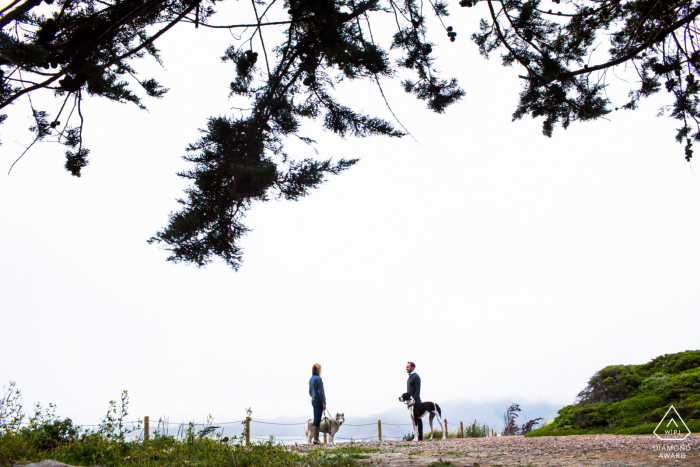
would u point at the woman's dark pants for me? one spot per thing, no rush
(318, 411)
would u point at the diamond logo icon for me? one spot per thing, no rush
(672, 427)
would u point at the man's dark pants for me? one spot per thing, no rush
(318, 411)
(419, 425)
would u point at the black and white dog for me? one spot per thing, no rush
(420, 410)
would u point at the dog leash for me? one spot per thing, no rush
(328, 417)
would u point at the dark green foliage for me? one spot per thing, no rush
(53, 433)
(76, 155)
(611, 384)
(83, 46)
(231, 171)
(307, 174)
(80, 46)
(342, 120)
(42, 127)
(634, 398)
(245, 65)
(240, 161)
(656, 39)
(673, 363)
(438, 93)
(657, 382)
(76, 160)
(87, 46)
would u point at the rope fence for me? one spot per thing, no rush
(145, 430)
(270, 423)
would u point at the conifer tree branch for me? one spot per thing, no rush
(150, 40)
(503, 39)
(24, 91)
(18, 12)
(656, 38)
(232, 26)
(9, 6)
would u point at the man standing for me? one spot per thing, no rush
(413, 388)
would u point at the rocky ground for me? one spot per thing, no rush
(565, 451)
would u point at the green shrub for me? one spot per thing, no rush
(611, 384)
(673, 363)
(475, 430)
(657, 382)
(632, 398)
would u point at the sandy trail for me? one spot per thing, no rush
(565, 451)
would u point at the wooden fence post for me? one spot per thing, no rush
(461, 429)
(446, 430)
(247, 431)
(146, 433)
(379, 429)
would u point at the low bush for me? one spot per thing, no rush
(657, 382)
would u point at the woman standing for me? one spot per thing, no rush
(318, 399)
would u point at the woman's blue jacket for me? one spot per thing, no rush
(316, 388)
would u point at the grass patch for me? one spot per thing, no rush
(440, 463)
(351, 450)
(645, 429)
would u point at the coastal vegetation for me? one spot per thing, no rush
(116, 443)
(632, 399)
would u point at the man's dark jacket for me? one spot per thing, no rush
(413, 387)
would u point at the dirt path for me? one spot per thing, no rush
(564, 451)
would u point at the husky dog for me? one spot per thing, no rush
(328, 425)
(420, 410)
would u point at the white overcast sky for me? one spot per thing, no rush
(503, 263)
